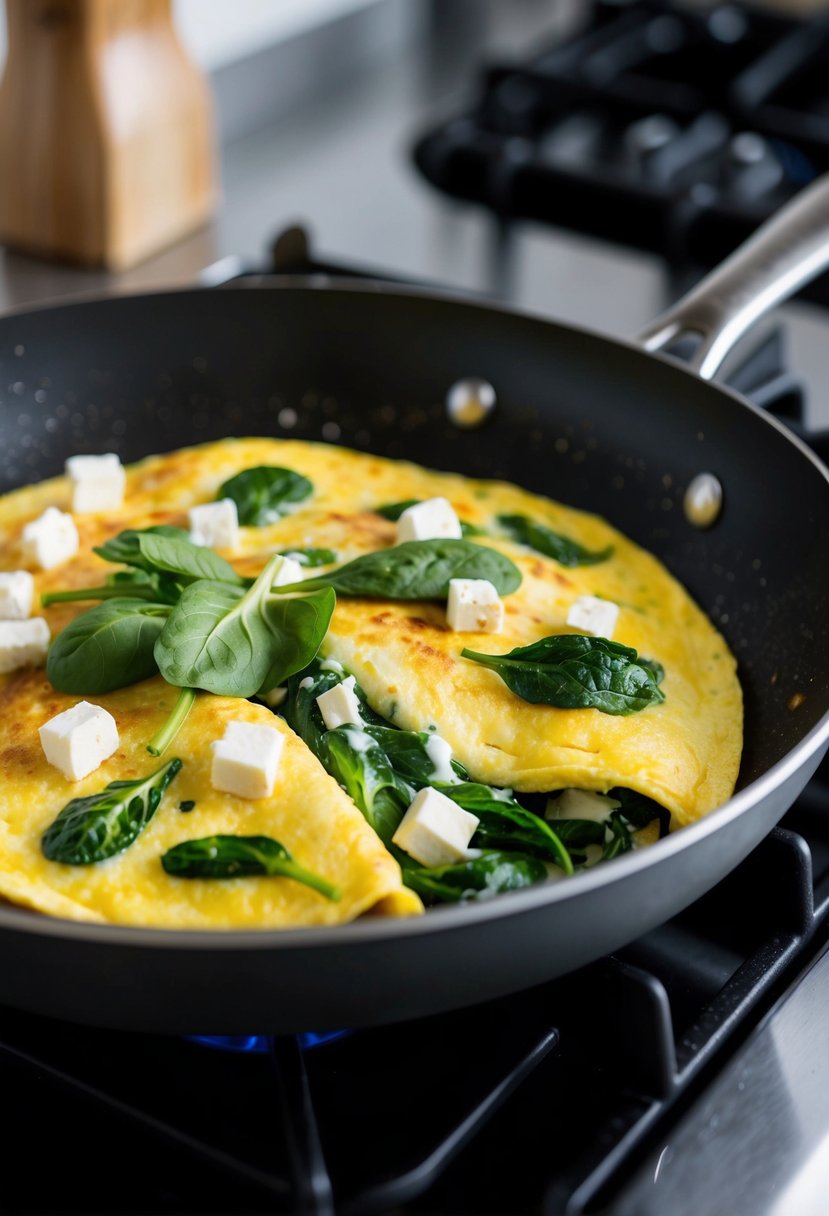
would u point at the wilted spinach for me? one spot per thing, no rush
(241, 857)
(263, 494)
(576, 671)
(100, 825)
(489, 874)
(551, 544)
(505, 824)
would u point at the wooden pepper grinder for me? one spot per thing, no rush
(105, 131)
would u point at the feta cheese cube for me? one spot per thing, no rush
(428, 520)
(246, 759)
(435, 830)
(79, 740)
(474, 606)
(50, 539)
(17, 590)
(215, 524)
(274, 698)
(289, 572)
(581, 804)
(23, 643)
(98, 482)
(339, 705)
(592, 615)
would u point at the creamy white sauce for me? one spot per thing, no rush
(440, 755)
(306, 683)
(332, 665)
(358, 740)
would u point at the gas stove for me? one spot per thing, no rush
(686, 1074)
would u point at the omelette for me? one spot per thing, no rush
(683, 752)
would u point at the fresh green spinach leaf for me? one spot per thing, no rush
(136, 584)
(241, 857)
(551, 544)
(576, 671)
(100, 825)
(168, 552)
(108, 647)
(124, 548)
(488, 874)
(236, 643)
(417, 570)
(263, 494)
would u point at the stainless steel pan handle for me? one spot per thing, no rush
(785, 253)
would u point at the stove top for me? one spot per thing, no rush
(686, 1074)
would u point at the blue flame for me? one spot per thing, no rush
(258, 1044)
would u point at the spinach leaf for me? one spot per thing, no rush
(576, 671)
(639, 811)
(263, 494)
(169, 552)
(579, 833)
(240, 856)
(124, 547)
(411, 755)
(536, 536)
(100, 825)
(137, 584)
(393, 511)
(362, 768)
(505, 824)
(235, 642)
(417, 570)
(107, 647)
(488, 874)
(311, 557)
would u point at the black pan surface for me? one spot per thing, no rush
(595, 423)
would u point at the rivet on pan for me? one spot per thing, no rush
(703, 500)
(470, 402)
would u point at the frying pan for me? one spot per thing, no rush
(600, 424)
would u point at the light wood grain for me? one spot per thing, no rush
(105, 131)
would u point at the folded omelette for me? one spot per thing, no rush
(683, 752)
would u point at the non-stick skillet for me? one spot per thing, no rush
(596, 423)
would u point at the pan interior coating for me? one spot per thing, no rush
(684, 753)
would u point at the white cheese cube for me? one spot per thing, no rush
(79, 740)
(17, 590)
(50, 539)
(428, 520)
(98, 482)
(581, 804)
(289, 572)
(246, 759)
(274, 698)
(592, 615)
(474, 606)
(215, 524)
(339, 705)
(435, 830)
(23, 643)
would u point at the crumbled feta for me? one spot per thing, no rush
(428, 520)
(50, 539)
(274, 698)
(98, 482)
(246, 759)
(23, 643)
(339, 705)
(581, 804)
(289, 572)
(215, 524)
(474, 606)
(79, 740)
(17, 590)
(435, 830)
(592, 615)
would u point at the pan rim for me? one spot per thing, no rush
(367, 931)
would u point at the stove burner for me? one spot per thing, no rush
(667, 128)
(262, 1044)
